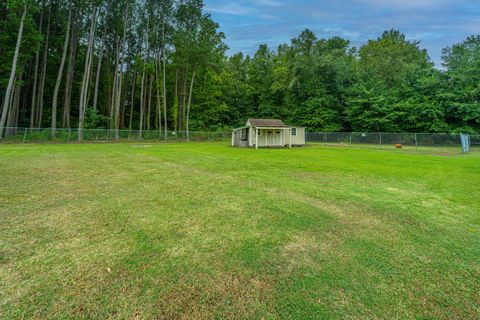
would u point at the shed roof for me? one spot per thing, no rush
(267, 123)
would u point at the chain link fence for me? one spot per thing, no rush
(444, 143)
(475, 143)
(28, 135)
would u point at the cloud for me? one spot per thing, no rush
(435, 23)
(405, 4)
(243, 8)
(269, 3)
(230, 8)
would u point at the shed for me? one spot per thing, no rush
(268, 133)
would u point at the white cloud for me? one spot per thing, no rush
(268, 3)
(244, 8)
(405, 4)
(436, 23)
(231, 8)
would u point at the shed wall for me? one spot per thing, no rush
(282, 138)
(299, 139)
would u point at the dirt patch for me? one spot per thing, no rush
(232, 295)
(141, 145)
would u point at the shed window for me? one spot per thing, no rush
(294, 131)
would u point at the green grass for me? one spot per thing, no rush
(203, 231)
(433, 150)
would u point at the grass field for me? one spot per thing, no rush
(203, 231)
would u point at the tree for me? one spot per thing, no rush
(87, 70)
(60, 71)
(391, 72)
(11, 81)
(461, 89)
(162, 64)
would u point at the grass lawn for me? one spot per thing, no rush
(205, 231)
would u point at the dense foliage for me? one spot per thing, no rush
(162, 64)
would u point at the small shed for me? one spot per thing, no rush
(268, 133)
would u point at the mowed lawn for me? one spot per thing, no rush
(203, 230)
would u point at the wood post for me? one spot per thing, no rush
(25, 135)
(290, 141)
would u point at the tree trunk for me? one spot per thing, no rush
(176, 104)
(124, 100)
(149, 109)
(142, 89)
(184, 98)
(164, 88)
(25, 95)
(69, 77)
(108, 105)
(189, 104)
(43, 74)
(11, 80)
(180, 100)
(132, 103)
(12, 121)
(157, 81)
(113, 103)
(99, 69)
(12, 97)
(35, 74)
(60, 73)
(86, 77)
(120, 78)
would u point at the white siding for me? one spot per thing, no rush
(277, 138)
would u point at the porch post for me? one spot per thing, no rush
(290, 141)
(256, 138)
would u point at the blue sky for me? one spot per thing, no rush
(435, 23)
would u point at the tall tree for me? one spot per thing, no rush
(391, 69)
(461, 91)
(11, 81)
(60, 71)
(86, 75)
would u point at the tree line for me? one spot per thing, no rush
(162, 65)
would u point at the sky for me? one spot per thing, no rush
(435, 23)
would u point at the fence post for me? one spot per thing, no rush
(69, 134)
(25, 135)
(416, 142)
(107, 134)
(380, 135)
(465, 140)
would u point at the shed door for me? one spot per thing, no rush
(245, 134)
(274, 138)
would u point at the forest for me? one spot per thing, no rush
(164, 65)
